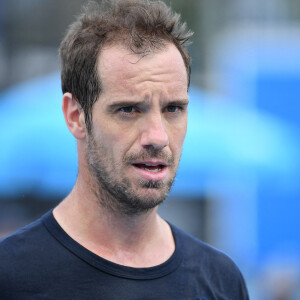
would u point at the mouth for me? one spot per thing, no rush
(153, 168)
(153, 171)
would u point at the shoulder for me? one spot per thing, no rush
(28, 233)
(18, 242)
(29, 260)
(211, 266)
(22, 248)
(200, 251)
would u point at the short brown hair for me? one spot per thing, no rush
(142, 25)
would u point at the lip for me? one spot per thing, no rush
(148, 175)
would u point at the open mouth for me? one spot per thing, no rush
(150, 168)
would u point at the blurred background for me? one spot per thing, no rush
(238, 184)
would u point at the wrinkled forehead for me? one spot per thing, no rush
(118, 64)
(134, 49)
(117, 59)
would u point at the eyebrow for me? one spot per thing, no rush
(179, 102)
(118, 104)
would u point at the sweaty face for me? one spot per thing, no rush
(138, 128)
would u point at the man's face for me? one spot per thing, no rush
(138, 127)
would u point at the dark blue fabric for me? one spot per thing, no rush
(41, 261)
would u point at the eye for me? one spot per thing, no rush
(173, 108)
(127, 109)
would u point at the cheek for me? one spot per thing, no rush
(176, 139)
(178, 131)
(118, 144)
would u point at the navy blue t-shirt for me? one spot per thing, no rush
(41, 261)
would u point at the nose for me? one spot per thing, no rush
(153, 134)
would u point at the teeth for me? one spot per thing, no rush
(152, 170)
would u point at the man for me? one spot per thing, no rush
(125, 76)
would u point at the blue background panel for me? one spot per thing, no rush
(278, 201)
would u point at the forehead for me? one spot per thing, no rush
(119, 67)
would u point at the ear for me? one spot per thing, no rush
(74, 116)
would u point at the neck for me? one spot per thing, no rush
(137, 240)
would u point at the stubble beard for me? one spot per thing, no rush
(117, 194)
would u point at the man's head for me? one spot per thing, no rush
(126, 100)
(142, 26)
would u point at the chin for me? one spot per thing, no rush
(153, 196)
